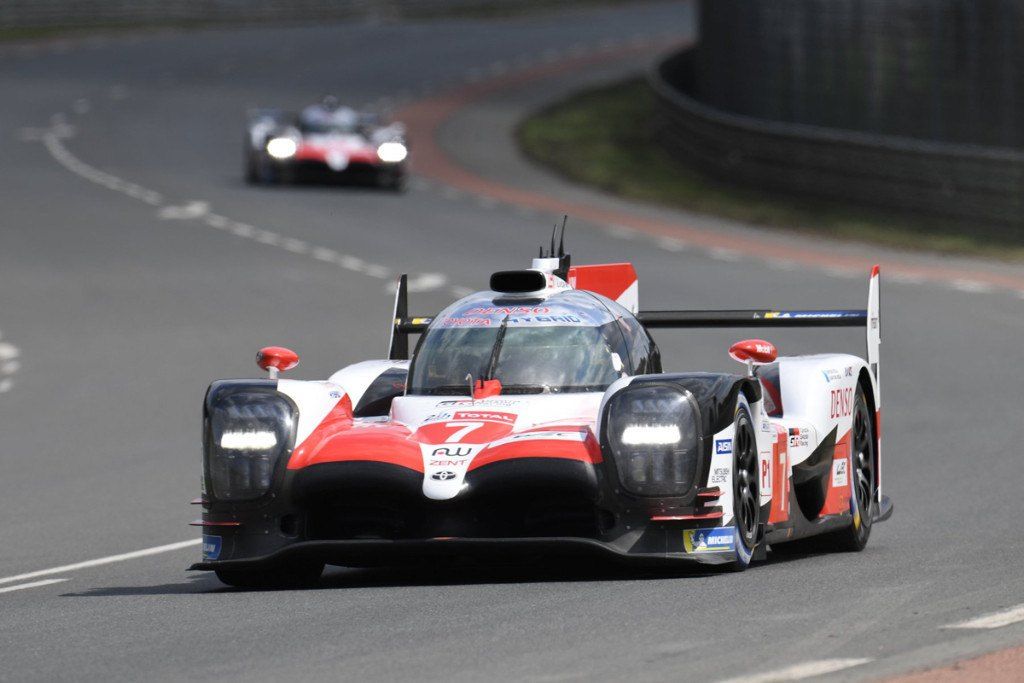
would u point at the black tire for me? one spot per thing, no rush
(391, 180)
(746, 493)
(293, 576)
(252, 175)
(862, 472)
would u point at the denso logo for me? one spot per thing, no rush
(452, 451)
(841, 403)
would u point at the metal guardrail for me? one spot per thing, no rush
(86, 13)
(969, 183)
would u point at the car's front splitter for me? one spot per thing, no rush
(383, 552)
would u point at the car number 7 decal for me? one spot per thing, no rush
(461, 430)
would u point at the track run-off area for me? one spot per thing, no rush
(136, 267)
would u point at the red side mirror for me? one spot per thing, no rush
(275, 359)
(754, 351)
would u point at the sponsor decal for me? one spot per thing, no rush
(832, 375)
(719, 476)
(841, 403)
(709, 540)
(848, 372)
(840, 473)
(723, 447)
(451, 451)
(579, 436)
(511, 310)
(813, 314)
(466, 322)
(443, 475)
(447, 462)
(766, 476)
(799, 438)
(437, 417)
(211, 547)
(485, 416)
(483, 403)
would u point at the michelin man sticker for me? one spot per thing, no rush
(709, 540)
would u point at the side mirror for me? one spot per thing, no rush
(753, 352)
(276, 359)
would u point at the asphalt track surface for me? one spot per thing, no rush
(136, 266)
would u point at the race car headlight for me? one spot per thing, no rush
(282, 148)
(249, 431)
(653, 432)
(392, 152)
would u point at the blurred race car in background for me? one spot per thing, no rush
(535, 419)
(326, 141)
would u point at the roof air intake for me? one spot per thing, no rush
(518, 281)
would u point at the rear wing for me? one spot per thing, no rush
(869, 318)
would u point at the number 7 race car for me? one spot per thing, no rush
(534, 419)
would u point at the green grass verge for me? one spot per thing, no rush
(604, 138)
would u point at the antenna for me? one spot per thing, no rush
(561, 240)
(554, 229)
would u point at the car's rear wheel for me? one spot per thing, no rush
(746, 495)
(292, 576)
(862, 483)
(863, 478)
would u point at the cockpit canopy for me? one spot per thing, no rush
(570, 341)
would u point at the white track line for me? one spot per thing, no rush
(103, 560)
(34, 584)
(997, 620)
(798, 672)
(199, 211)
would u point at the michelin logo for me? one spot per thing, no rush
(211, 547)
(723, 447)
(709, 540)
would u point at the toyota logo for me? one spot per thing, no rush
(444, 475)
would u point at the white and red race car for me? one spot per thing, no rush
(325, 141)
(534, 418)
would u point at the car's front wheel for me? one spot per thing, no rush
(291, 576)
(746, 494)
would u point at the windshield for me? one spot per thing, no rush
(320, 120)
(536, 353)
